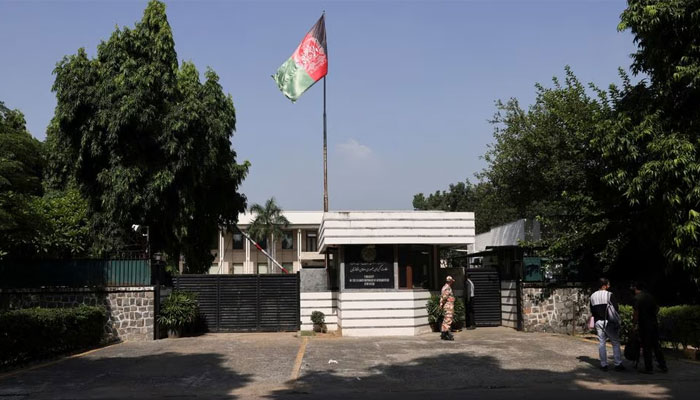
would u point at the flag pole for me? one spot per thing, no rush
(325, 152)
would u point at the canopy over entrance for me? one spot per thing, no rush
(396, 227)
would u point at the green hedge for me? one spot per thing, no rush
(37, 333)
(679, 325)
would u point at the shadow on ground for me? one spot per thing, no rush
(118, 377)
(462, 375)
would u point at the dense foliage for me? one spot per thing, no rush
(147, 142)
(36, 333)
(34, 222)
(613, 175)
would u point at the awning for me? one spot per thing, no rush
(396, 227)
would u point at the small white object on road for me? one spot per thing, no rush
(332, 362)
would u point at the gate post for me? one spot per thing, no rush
(519, 307)
(298, 301)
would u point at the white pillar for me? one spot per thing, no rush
(246, 266)
(396, 266)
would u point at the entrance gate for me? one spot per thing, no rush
(487, 296)
(246, 303)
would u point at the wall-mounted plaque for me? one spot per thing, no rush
(369, 275)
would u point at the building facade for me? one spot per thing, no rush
(298, 248)
(382, 267)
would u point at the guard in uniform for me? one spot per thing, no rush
(447, 303)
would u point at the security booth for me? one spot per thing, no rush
(387, 265)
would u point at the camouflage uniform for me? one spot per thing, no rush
(447, 302)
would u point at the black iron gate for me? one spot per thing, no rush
(487, 296)
(245, 303)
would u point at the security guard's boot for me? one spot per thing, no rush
(449, 336)
(443, 336)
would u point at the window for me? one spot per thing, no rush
(237, 269)
(263, 243)
(262, 268)
(311, 241)
(237, 241)
(287, 240)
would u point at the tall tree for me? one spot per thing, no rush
(466, 196)
(21, 168)
(268, 224)
(147, 142)
(654, 146)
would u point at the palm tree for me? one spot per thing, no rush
(268, 224)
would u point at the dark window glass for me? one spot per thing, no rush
(287, 240)
(311, 241)
(237, 241)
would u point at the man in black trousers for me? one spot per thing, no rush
(469, 301)
(645, 312)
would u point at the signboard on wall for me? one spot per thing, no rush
(369, 275)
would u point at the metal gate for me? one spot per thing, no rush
(245, 303)
(487, 296)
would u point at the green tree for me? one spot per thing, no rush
(268, 224)
(65, 225)
(147, 142)
(543, 164)
(653, 147)
(465, 196)
(21, 168)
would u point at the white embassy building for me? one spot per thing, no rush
(382, 265)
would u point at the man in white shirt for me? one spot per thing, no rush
(607, 324)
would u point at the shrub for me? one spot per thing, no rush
(318, 318)
(36, 333)
(435, 313)
(626, 324)
(459, 314)
(680, 325)
(179, 309)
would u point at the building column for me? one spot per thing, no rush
(341, 267)
(246, 266)
(436, 266)
(396, 266)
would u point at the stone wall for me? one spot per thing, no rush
(130, 310)
(554, 309)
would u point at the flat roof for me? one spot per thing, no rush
(396, 227)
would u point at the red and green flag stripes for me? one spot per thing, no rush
(307, 65)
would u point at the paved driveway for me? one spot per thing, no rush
(488, 363)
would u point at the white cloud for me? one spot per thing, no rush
(354, 149)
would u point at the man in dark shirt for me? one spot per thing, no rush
(645, 311)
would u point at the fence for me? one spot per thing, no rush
(74, 273)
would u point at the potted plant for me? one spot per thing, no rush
(319, 320)
(459, 315)
(177, 311)
(435, 313)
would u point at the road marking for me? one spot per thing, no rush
(50, 363)
(297, 362)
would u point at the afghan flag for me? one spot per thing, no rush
(307, 65)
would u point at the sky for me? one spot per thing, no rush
(410, 89)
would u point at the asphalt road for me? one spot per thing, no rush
(490, 363)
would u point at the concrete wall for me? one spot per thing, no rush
(554, 309)
(383, 313)
(326, 302)
(509, 304)
(130, 310)
(313, 280)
